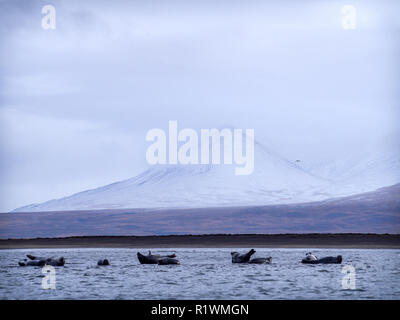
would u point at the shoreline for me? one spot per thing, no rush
(315, 240)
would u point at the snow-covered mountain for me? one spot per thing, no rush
(275, 180)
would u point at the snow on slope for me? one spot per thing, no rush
(358, 173)
(275, 180)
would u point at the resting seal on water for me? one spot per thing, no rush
(261, 260)
(244, 258)
(103, 262)
(311, 259)
(56, 262)
(31, 263)
(157, 259)
(337, 260)
(164, 261)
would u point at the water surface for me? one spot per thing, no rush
(203, 274)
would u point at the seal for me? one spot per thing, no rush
(261, 260)
(327, 260)
(164, 261)
(55, 262)
(245, 258)
(31, 263)
(242, 258)
(311, 259)
(103, 262)
(59, 262)
(156, 258)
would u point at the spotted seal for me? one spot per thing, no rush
(103, 262)
(311, 259)
(157, 259)
(245, 258)
(56, 262)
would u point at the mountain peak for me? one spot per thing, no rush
(275, 180)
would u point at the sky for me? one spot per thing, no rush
(76, 102)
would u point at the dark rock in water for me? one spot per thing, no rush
(164, 261)
(153, 258)
(261, 260)
(103, 262)
(325, 260)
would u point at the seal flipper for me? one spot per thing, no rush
(242, 258)
(248, 255)
(36, 258)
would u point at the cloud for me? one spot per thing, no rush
(108, 74)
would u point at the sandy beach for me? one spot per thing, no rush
(372, 241)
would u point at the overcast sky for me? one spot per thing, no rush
(76, 102)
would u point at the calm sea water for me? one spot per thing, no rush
(203, 274)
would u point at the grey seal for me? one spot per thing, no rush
(245, 258)
(31, 263)
(311, 259)
(156, 258)
(261, 260)
(242, 258)
(164, 261)
(55, 262)
(103, 262)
